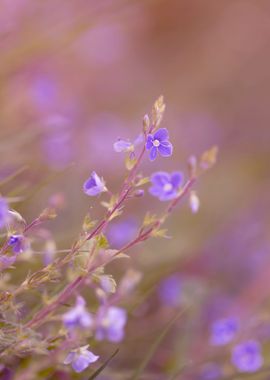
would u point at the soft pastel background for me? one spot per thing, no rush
(77, 74)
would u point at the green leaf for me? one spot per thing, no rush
(130, 162)
(149, 219)
(103, 366)
(162, 233)
(142, 181)
(102, 241)
(88, 223)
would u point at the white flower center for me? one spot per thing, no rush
(156, 143)
(167, 187)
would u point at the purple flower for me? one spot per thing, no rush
(78, 316)
(170, 291)
(3, 212)
(122, 145)
(94, 185)
(223, 331)
(110, 323)
(121, 232)
(17, 242)
(247, 356)
(165, 186)
(80, 359)
(159, 142)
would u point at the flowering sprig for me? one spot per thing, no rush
(90, 253)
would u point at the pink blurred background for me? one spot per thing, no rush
(76, 75)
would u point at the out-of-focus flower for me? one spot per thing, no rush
(122, 145)
(247, 356)
(78, 316)
(121, 232)
(170, 291)
(159, 143)
(110, 323)
(211, 371)
(165, 186)
(80, 359)
(223, 331)
(3, 212)
(17, 242)
(94, 185)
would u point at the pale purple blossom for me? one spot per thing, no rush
(159, 143)
(165, 186)
(94, 185)
(110, 323)
(223, 331)
(78, 316)
(18, 243)
(4, 216)
(80, 359)
(122, 145)
(247, 356)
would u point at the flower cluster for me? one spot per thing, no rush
(59, 327)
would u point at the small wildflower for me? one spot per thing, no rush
(80, 359)
(17, 242)
(78, 316)
(159, 142)
(223, 331)
(110, 323)
(247, 356)
(3, 212)
(122, 145)
(165, 186)
(94, 185)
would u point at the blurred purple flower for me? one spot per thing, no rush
(247, 356)
(121, 232)
(3, 212)
(125, 145)
(165, 186)
(78, 316)
(122, 146)
(159, 142)
(170, 291)
(94, 185)
(80, 359)
(211, 371)
(223, 331)
(17, 242)
(110, 323)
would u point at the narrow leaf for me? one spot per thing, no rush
(153, 348)
(103, 366)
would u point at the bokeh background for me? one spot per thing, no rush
(75, 75)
